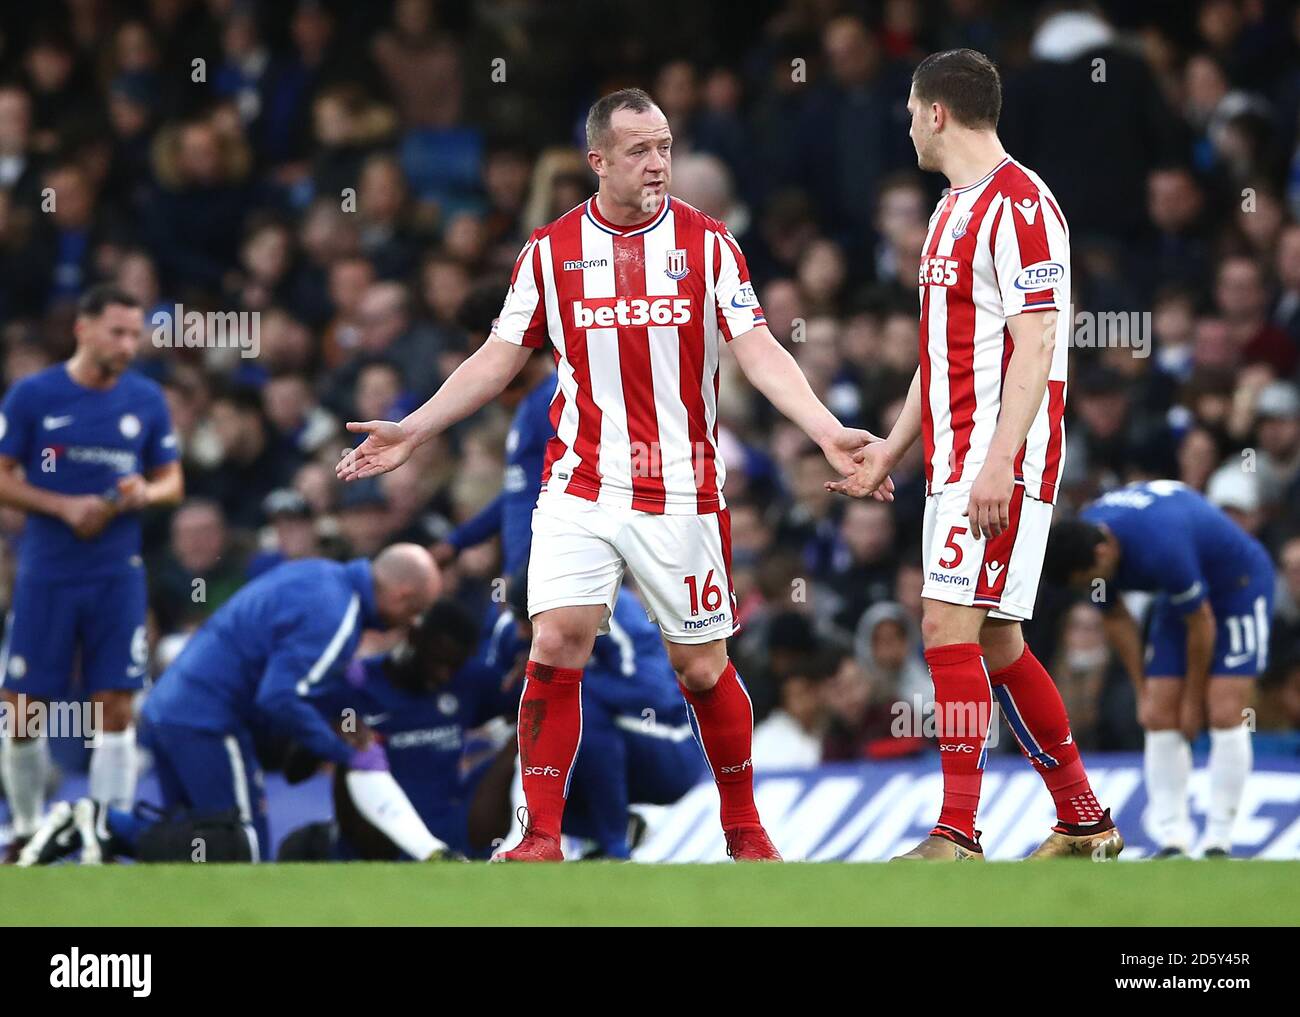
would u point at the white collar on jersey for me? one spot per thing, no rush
(988, 176)
(601, 223)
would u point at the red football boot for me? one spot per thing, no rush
(750, 844)
(535, 847)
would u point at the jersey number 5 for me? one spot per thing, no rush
(949, 545)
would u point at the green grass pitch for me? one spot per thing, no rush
(1064, 893)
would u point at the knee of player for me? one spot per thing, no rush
(1226, 711)
(115, 712)
(935, 630)
(1003, 645)
(559, 643)
(698, 674)
(1160, 715)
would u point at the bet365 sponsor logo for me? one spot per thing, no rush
(612, 312)
(936, 271)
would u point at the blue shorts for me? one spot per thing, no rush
(1241, 632)
(205, 772)
(51, 620)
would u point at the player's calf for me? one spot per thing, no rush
(113, 756)
(24, 771)
(1036, 714)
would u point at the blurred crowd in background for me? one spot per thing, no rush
(363, 175)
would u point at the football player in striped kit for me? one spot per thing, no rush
(988, 402)
(637, 293)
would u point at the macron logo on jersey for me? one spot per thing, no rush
(1028, 208)
(611, 312)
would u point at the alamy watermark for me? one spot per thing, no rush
(23, 717)
(210, 330)
(918, 718)
(1109, 330)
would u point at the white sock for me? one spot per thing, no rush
(24, 767)
(113, 768)
(1167, 761)
(380, 799)
(1230, 760)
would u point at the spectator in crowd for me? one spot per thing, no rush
(1096, 692)
(252, 463)
(1241, 296)
(868, 719)
(885, 644)
(195, 212)
(1286, 305)
(292, 532)
(1284, 640)
(1277, 415)
(790, 737)
(199, 572)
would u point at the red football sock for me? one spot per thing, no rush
(1033, 709)
(724, 722)
(963, 703)
(550, 727)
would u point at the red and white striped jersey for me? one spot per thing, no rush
(634, 314)
(996, 248)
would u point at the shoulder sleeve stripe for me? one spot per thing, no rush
(326, 660)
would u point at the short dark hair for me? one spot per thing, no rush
(598, 117)
(1071, 547)
(965, 81)
(244, 398)
(95, 299)
(445, 635)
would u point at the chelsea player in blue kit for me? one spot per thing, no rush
(85, 446)
(510, 513)
(1207, 638)
(257, 660)
(255, 665)
(425, 698)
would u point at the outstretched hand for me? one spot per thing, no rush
(867, 471)
(386, 447)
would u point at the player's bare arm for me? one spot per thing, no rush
(770, 369)
(877, 459)
(471, 386)
(1124, 635)
(85, 514)
(1034, 334)
(1200, 654)
(164, 486)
